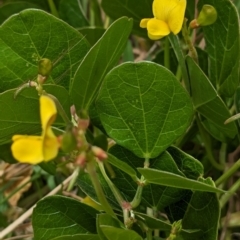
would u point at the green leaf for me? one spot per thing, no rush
(42, 3)
(172, 180)
(57, 216)
(106, 220)
(85, 184)
(202, 58)
(177, 210)
(119, 233)
(71, 12)
(153, 223)
(128, 55)
(204, 206)
(21, 115)
(92, 34)
(27, 37)
(207, 102)
(78, 237)
(177, 47)
(188, 165)
(153, 195)
(159, 59)
(144, 108)
(237, 102)
(50, 167)
(8, 9)
(122, 166)
(222, 40)
(6, 153)
(135, 9)
(99, 60)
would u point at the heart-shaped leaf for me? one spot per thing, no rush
(58, 212)
(144, 108)
(27, 37)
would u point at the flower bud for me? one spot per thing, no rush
(99, 153)
(81, 160)
(207, 16)
(44, 67)
(69, 141)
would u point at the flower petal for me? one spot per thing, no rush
(143, 23)
(176, 17)
(157, 29)
(48, 111)
(27, 149)
(171, 12)
(162, 8)
(50, 145)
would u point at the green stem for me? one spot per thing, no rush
(53, 8)
(174, 40)
(60, 109)
(125, 216)
(228, 173)
(91, 169)
(222, 153)
(113, 188)
(138, 196)
(74, 179)
(225, 198)
(191, 48)
(166, 54)
(205, 139)
(149, 234)
(179, 73)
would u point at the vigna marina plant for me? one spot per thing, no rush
(119, 120)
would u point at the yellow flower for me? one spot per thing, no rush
(168, 17)
(35, 149)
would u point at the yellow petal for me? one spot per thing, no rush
(27, 149)
(50, 145)
(161, 8)
(171, 12)
(143, 23)
(48, 111)
(176, 17)
(157, 29)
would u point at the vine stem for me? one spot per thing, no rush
(228, 173)
(113, 188)
(225, 198)
(53, 8)
(191, 48)
(166, 53)
(91, 169)
(138, 196)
